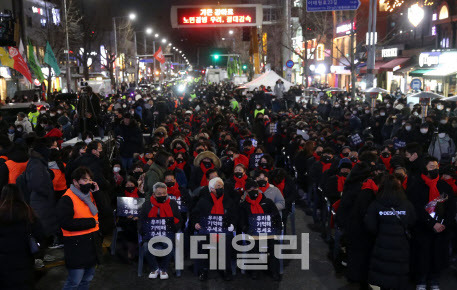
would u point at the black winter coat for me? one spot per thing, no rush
(42, 199)
(17, 267)
(133, 140)
(82, 251)
(204, 206)
(389, 264)
(146, 208)
(268, 207)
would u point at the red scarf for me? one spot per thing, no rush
(250, 152)
(317, 157)
(181, 165)
(281, 185)
(174, 190)
(341, 181)
(142, 159)
(451, 182)
(195, 154)
(325, 166)
(218, 207)
(270, 139)
(164, 208)
(255, 204)
(404, 184)
(433, 192)
(182, 150)
(370, 184)
(204, 180)
(134, 193)
(172, 167)
(240, 182)
(161, 140)
(386, 161)
(263, 189)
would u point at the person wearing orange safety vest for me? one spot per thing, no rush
(13, 164)
(78, 213)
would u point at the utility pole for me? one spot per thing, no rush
(136, 59)
(353, 77)
(286, 39)
(371, 43)
(116, 72)
(68, 47)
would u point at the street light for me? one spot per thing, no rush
(149, 30)
(169, 44)
(231, 32)
(132, 16)
(164, 40)
(156, 35)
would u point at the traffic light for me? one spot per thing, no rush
(244, 67)
(216, 56)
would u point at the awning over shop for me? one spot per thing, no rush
(394, 64)
(419, 72)
(377, 67)
(442, 71)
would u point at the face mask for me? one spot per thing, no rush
(19, 129)
(443, 121)
(238, 174)
(345, 154)
(207, 164)
(354, 112)
(416, 114)
(59, 112)
(345, 174)
(263, 165)
(388, 105)
(448, 109)
(408, 128)
(170, 184)
(161, 199)
(130, 188)
(219, 192)
(367, 111)
(424, 130)
(385, 154)
(262, 183)
(337, 106)
(433, 173)
(116, 169)
(326, 159)
(180, 160)
(354, 159)
(11, 131)
(87, 141)
(42, 112)
(85, 188)
(440, 107)
(442, 135)
(382, 114)
(253, 194)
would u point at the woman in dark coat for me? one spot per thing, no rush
(389, 264)
(17, 222)
(431, 234)
(132, 140)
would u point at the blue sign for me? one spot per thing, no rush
(290, 63)
(416, 84)
(147, 60)
(331, 5)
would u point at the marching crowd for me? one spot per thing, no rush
(379, 182)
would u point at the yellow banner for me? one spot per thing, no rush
(5, 58)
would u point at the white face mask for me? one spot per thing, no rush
(442, 135)
(52, 114)
(443, 121)
(116, 169)
(440, 107)
(87, 141)
(367, 111)
(388, 105)
(408, 128)
(382, 114)
(59, 112)
(416, 114)
(424, 130)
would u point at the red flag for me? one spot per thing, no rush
(19, 63)
(159, 56)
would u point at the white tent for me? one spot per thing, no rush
(267, 79)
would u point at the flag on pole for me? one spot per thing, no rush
(33, 63)
(159, 56)
(22, 50)
(13, 59)
(50, 59)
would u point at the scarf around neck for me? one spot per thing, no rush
(86, 198)
(255, 204)
(433, 192)
(161, 209)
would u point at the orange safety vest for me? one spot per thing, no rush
(81, 210)
(15, 169)
(5, 158)
(59, 182)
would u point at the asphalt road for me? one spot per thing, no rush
(114, 274)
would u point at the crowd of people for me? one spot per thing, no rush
(379, 182)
